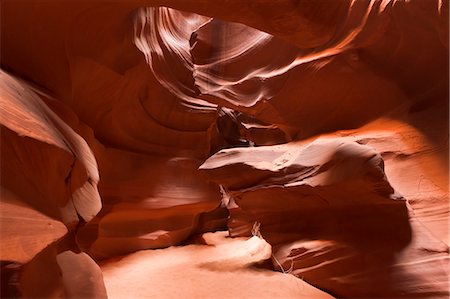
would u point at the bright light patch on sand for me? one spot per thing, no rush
(221, 269)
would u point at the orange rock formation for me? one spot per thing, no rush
(143, 124)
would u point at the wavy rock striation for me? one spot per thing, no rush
(332, 216)
(49, 187)
(140, 124)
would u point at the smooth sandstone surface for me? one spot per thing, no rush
(25, 231)
(223, 267)
(321, 126)
(365, 227)
(49, 186)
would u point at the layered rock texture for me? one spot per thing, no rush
(318, 126)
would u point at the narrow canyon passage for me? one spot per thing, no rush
(224, 149)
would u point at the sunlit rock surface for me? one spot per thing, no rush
(333, 217)
(142, 124)
(49, 187)
(223, 266)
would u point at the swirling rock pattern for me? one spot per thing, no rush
(140, 124)
(333, 217)
(49, 187)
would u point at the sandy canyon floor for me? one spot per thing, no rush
(223, 266)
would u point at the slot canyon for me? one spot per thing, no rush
(224, 149)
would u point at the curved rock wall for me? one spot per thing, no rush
(49, 187)
(139, 124)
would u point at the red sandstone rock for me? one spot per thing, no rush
(49, 166)
(334, 218)
(60, 273)
(49, 185)
(149, 202)
(149, 93)
(25, 231)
